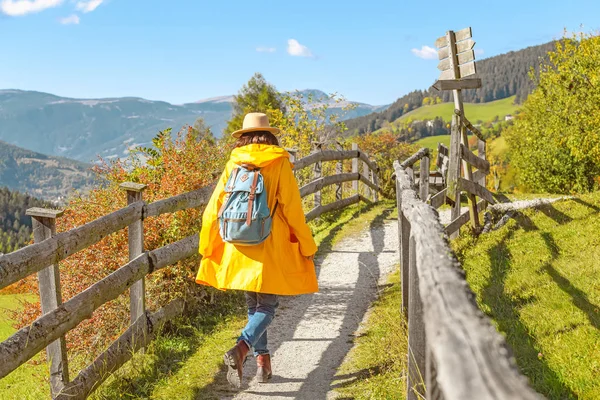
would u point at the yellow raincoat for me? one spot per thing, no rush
(277, 265)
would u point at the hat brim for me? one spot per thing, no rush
(238, 133)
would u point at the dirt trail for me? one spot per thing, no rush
(312, 334)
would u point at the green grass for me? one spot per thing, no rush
(186, 363)
(431, 142)
(537, 278)
(474, 111)
(376, 366)
(30, 380)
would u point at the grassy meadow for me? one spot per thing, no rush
(474, 111)
(537, 278)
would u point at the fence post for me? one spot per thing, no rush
(293, 154)
(367, 174)
(137, 293)
(453, 191)
(481, 152)
(416, 332)
(403, 242)
(317, 173)
(355, 167)
(44, 227)
(424, 178)
(339, 169)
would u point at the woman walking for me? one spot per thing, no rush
(282, 263)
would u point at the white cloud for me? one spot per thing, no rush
(87, 6)
(479, 52)
(266, 49)
(426, 52)
(298, 50)
(70, 20)
(16, 8)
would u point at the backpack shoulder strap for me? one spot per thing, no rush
(251, 198)
(230, 187)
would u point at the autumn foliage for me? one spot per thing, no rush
(173, 166)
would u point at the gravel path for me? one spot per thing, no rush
(312, 334)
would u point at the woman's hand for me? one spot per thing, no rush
(310, 258)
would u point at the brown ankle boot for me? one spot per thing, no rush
(234, 359)
(263, 372)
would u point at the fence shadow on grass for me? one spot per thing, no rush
(504, 309)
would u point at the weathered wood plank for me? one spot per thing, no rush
(44, 212)
(336, 205)
(424, 179)
(438, 199)
(50, 298)
(463, 58)
(325, 155)
(136, 337)
(462, 219)
(403, 244)
(370, 163)
(367, 182)
(355, 167)
(471, 356)
(325, 181)
(410, 161)
(477, 190)
(416, 330)
(317, 173)
(193, 199)
(464, 71)
(29, 340)
(133, 187)
(458, 84)
(464, 45)
(481, 153)
(442, 149)
(475, 161)
(454, 167)
(442, 41)
(30, 259)
(443, 52)
(463, 34)
(469, 125)
(339, 170)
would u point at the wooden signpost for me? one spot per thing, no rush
(457, 63)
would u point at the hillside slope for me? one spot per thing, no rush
(45, 177)
(502, 76)
(83, 128)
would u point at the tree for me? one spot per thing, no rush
(555, 141)
(255, 96)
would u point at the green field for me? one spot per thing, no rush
(432, 141)
(537, 279)
(29, 381)
(474, 111)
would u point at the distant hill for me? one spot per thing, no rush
(15, 226)
(502, 76)
(45, 177)
(83, 128)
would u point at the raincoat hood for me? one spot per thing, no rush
(258, 154)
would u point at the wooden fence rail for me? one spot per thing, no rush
(59, 318)
(454, 351)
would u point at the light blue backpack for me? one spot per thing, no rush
(244, 217)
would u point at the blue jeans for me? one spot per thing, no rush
(261, 311)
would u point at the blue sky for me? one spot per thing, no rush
(182, 50)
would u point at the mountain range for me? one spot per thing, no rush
(82, 129)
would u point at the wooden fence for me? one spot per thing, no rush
(454, 351)
(50, 248)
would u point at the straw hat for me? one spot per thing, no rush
(255, 122)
